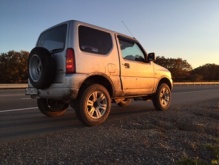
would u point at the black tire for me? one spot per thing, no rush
(94, 105)
(162, 98)
(52, 108)
(41, 68)
(124, 103)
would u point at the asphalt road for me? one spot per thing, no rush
(20, 117)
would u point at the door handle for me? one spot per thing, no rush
(126, 65)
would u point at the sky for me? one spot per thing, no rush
(187, 29)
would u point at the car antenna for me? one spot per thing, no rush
(128, 29)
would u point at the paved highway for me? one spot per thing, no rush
(20, 117)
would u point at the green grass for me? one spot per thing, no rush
(188, 161)
(214, 161)
(215, 151)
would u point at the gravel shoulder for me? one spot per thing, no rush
(146, 137)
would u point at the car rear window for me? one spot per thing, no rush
(94, 41)
(53, 39)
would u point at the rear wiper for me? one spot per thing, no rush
(56, 50)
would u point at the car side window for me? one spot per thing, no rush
(131, 50)
(94, 41)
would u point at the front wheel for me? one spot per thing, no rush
(94, 105)
(52, 108)
(162, 98)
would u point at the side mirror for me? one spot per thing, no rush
(151, 57)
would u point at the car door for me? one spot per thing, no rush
(137, 75)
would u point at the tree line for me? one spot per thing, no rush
(13, 66)
(181, 70)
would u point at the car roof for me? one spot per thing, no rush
(78, 23)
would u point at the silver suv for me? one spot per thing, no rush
(88, 68)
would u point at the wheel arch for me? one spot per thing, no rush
(167, 81)
(98, 79)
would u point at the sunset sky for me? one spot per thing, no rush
(187, 29)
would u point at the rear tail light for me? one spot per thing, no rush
(70, 61)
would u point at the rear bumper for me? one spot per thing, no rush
(52, 93)
(66, 90)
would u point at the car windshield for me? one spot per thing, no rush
(53, 39)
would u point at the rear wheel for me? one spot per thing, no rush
(52, 108)
(162, 98)
(94, 105)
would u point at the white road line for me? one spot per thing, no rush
(193, 91)
(13, 110)
(5, 95)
